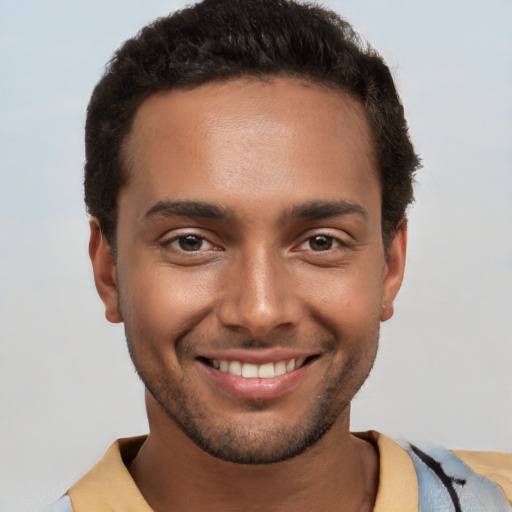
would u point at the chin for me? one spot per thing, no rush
(262, 441)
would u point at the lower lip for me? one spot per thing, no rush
(255, 388)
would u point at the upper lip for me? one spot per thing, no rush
(258, 357)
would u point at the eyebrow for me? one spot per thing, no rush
(198, 209)
(323, 209)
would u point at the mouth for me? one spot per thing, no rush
(266, 370)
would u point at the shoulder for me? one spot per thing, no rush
(496, 466)
(108, 485)
(440, 479)
(466, 480)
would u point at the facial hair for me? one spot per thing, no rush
(247, 444)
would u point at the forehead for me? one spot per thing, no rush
(250, 139)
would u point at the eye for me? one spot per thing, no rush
(189, 243)
(187, 247)
(321, 242)
(323, 249)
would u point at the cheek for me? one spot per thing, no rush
(163, 302)
(348, 295)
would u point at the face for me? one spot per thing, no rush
(251, 275)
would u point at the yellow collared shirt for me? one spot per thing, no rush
(109, 487)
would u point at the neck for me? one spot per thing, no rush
(339, 473)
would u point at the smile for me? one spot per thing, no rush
(257, 371)
(257, 375)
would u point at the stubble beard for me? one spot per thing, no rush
(245, 444)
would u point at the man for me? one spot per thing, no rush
(248, 172)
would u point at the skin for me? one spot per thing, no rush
(270, 271)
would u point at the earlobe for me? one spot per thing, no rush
(104, 272)
(394, 270)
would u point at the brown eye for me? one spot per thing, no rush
(321, 243)
(190, 242)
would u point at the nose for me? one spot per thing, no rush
(259, 296)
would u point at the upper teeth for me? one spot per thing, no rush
(262, 371)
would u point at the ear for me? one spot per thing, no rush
(394, 270)
(104, 271)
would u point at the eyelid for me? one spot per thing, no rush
(337, 244)
(169, 238)
(341, 241)
(203, 241)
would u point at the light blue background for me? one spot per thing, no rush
(443, 373)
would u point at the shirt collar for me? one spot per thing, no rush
(109, 487)
(398, 484)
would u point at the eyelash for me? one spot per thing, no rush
(331, 240)
(179, 238)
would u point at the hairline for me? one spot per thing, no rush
(125, 159)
